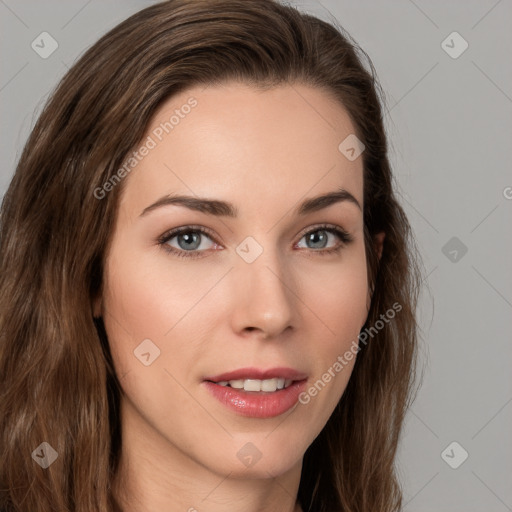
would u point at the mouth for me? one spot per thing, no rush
(257, 385)
(258, 393)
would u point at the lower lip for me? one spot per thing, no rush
(256, 404)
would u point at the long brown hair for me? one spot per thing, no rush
(57, 382)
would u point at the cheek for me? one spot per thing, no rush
(151, 298)
(338, 293)
(147, 295)
(151, 309)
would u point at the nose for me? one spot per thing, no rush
(264, 297)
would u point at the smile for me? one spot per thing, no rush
(267, 385)
(257, 393)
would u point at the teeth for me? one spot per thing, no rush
(268, 385)
(253, 385)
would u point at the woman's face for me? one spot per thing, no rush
(270, 291)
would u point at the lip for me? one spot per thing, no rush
(257, 404)
(256, 373)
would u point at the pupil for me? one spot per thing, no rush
(318, 237)
(189, 238)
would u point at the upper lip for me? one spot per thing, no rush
(256, 373)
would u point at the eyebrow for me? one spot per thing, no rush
(226, 209)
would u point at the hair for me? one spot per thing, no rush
(57, 380)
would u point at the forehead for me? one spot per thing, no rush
(234, 141)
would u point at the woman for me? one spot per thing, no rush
(208, 288)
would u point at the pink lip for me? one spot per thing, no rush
(256, 373)
(258, 404)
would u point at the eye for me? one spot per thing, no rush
(189, 241)
(319, 237)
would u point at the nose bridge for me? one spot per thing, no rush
(264, 294)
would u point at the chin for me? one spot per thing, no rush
(254, 461)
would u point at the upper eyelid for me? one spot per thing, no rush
(171, 233)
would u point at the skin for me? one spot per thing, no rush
(291, 307)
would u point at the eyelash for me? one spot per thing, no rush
(345, 238)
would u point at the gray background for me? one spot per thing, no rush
(450, 128)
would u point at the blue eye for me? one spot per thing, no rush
(319, 238)
(190, 240)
